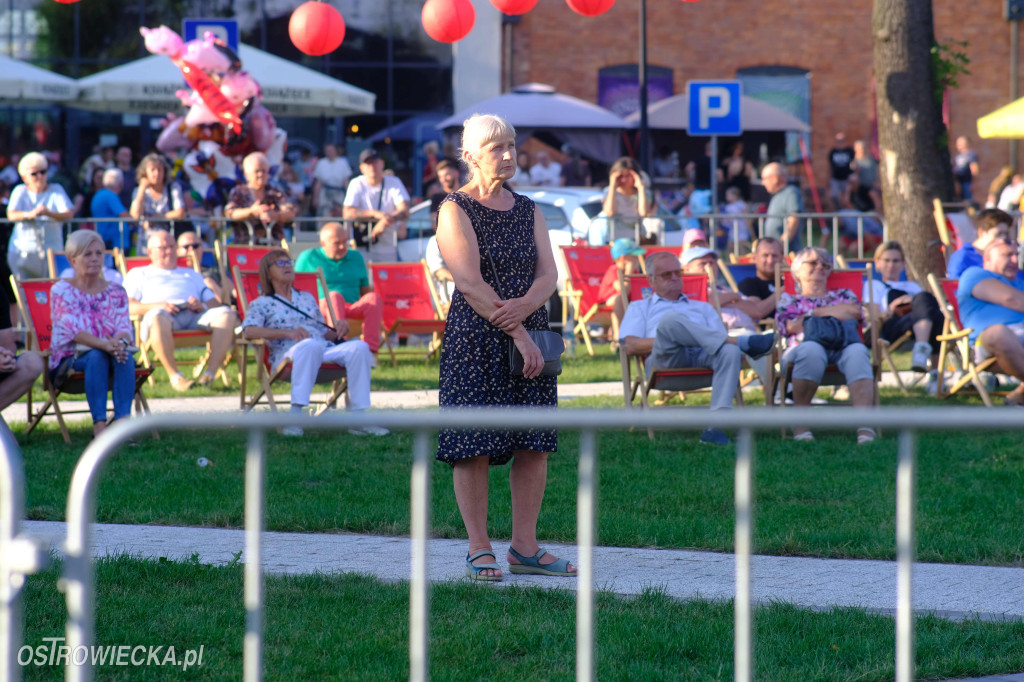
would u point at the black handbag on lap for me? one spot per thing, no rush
(831, 333)
(551, 344)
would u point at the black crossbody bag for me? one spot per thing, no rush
(302, 312)
(551, 344)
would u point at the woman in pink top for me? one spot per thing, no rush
(91, 329)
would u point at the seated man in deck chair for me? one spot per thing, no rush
(991, 302)
(678, 332)
(172, 298)
(17, 372)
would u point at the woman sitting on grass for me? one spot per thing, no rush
(811, 268)
(291, 323)
(89, 312)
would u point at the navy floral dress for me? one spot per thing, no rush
(474, 359)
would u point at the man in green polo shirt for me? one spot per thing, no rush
(349, 289)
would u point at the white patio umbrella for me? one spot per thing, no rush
(148, 85)
(22, 81)
(592, 130)
(672, 113)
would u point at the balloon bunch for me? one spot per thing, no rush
(225, 119)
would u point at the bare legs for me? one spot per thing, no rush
(527, 480)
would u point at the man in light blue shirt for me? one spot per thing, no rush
(991, 302)
(106, 203)
(675, 331)
(991, 225)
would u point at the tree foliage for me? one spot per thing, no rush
(108, 29)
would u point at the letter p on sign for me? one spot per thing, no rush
(714, 107)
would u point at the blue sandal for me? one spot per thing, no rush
(475, 571)
(531, 565)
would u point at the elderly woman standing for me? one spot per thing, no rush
(811, 268)
(87, 310)
(257, 205)
(39, 209)
(492, 307)
(154, 197)
(291, 323)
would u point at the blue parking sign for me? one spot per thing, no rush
(714, 107)
(225, 29)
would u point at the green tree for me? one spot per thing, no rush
(109, 29)
(913, 142)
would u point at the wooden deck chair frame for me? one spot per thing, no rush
(75, 383)
(437, 292)
(51, 260)
(573, 294)
(954, 341)
(676, 380)
(434, 326)
(266, 375)
(832, 376)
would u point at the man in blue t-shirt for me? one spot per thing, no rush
(991, 302)
(991, 224)
(107, 204)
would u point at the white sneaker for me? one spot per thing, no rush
(919, 357)
(292, 430)
(369, 430)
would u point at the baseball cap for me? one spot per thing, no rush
(693, 254)
(368, 154)
(626, 247)
(692, 235)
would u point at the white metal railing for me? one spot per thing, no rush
(79, 578)
(603, 228)
(19, 556)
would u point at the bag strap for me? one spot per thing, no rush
(471, 212)
(302, 312)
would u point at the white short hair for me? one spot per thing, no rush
(112, 177)
(31, 162)
(479, 130)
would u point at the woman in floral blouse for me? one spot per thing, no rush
(257, 206)
(291, 323)
(811, 268)
(88, 311)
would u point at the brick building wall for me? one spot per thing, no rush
(713, 38)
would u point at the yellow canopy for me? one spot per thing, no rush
(1007, 122)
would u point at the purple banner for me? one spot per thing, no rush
(618, 87)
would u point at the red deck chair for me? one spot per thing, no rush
(679, 380)
(182, 339)
(584, 268)
(839, 279)
(247, 258)
(954, 342)
(408, 305)
(33, 297)
(329, 372)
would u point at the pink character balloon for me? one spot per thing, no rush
(163, 40)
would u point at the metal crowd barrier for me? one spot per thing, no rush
(19, 556)
(659, 226)
(79, 577)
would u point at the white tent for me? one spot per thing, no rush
(592, 130)
(148, 85)
(22, 81)
(672, 113)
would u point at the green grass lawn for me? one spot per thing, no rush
(350, 627)
(828, 498)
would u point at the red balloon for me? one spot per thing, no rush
(514, 6)
(66, 2)
(316, 28)
(590, 8)
(448, 21)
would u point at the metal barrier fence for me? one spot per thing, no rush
(79, 578)
(663, 227)
(19, 556)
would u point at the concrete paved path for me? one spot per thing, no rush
(951, 591)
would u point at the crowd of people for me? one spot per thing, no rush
(492, 254)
